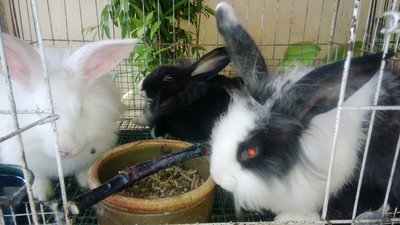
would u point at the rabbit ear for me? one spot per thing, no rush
(318, 91)
(98, 58)
(210, 64)
(23, 61)
(242, 50)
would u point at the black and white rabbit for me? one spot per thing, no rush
(184, 99)
(85, 98)
(272, 147)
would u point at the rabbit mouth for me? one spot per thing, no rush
(69, 152)
(143, 94)
(228, 183)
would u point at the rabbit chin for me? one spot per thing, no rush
(252, 193)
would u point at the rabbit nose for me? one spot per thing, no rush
(65, 151)
(142, 93)
(226, 182)
(215, 175)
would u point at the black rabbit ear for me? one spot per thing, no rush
(210, 64)
(318, 91)
(241, 48)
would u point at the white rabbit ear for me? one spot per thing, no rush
(23, 61)
(98, 58)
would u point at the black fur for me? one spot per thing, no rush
(277, 149)
(287, 114)
(381, 152)
(246, 57)
(318, 91)
(187, 105)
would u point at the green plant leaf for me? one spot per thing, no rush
(91, 29)
(154, 28)
(339, 52)
(178, 5)
(303, 52)
(149, 17)
(137, 24)
(137, 12)
(155, 20)
(106, 30)
(172, 20)
(209, 11)
(105, 18)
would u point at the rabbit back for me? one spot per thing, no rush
(380, 158)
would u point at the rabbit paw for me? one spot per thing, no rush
(42, 189)
(154, 136)
(82, 178)
(140, 120)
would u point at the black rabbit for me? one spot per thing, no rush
(184, 100)
(272, 147)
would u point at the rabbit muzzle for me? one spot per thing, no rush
(142, 92)
(68, 151)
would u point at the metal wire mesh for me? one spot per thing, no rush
(276, 25)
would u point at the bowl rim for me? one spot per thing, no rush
(16, 171)
(126, 203)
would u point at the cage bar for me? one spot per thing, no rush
(340, 105)
(28, 17)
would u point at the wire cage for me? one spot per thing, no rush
(310, 32)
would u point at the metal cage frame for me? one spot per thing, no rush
(390, 33)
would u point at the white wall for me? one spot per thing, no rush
(273, 24)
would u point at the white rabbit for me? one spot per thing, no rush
(272, 147)
(85, 99)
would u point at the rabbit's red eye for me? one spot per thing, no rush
(249, 153)
(168, 77)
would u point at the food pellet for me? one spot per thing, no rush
(169, 182)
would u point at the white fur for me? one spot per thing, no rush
(299, 195)
(85, 99)
(142, 92)
(143, 119)
(226, 136)
(230, 14)
(284, 81)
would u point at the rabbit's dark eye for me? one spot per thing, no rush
(249, 153)
(168, 77)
